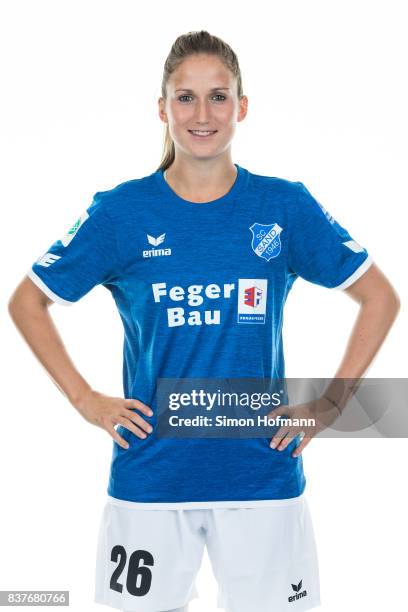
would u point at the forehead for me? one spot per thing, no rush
(200, 70)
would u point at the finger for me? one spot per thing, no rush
(278, 437)
(134, 403)
(136, 418)
(301, 446)
(131, 427)
(287, 440)
(117, 437)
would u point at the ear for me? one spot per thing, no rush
(243, 108)
(162, 113)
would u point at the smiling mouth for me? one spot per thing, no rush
(203, 133)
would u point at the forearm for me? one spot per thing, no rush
(374, 320)
(38, 330)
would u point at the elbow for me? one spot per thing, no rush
(16, 301)
(396, 303)
(390, 303)
(397, 300)
(15, 308)
(393, 300)
(392, 308)
(12, 305)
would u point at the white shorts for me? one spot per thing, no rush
(264, 558)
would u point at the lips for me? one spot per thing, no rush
(202, 133)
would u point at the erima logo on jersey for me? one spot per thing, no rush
(155, 242)
(73, 230)
(299, 593)
(354, 246)
(47, 259)
(251, 302)
(266, 240)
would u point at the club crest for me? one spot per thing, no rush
(266, 240)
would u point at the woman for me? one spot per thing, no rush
(199, 257)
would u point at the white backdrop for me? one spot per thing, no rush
(327, 106)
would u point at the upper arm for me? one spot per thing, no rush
(373, 284)
(30, 294)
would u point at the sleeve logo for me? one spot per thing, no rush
(266, 240)
(354, 246)
(73, 230)
(47, 259)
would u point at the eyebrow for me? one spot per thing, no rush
(213, 89)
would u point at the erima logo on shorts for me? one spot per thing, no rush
(266, 240)
(251, 302)
(299, 593)
(155, 242)
(73, 230)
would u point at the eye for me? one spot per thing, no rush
(182, 98)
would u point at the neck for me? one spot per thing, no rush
(198, 187)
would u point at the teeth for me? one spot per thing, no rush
(201, 132)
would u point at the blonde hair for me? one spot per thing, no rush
(183, 47)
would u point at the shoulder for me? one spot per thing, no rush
(278, 186)
(122, 197)
(290, 196)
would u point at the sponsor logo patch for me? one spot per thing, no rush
(73, 230)
(252, 293)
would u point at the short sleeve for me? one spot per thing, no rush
(81, 259)
(320, 249)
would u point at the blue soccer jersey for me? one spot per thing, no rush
(200, 289)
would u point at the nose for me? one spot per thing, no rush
(203, 112)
